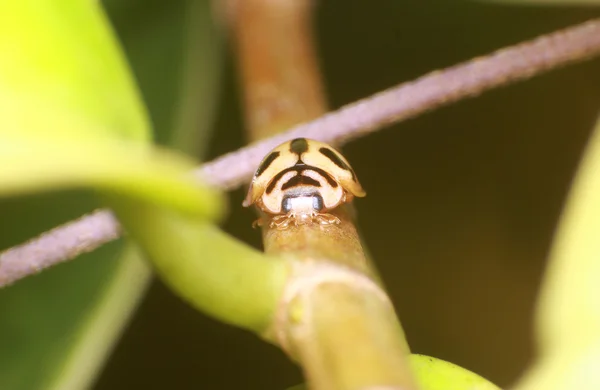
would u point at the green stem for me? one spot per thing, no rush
(214, 272)
(340, 242)
(335, 318)
(349, 337)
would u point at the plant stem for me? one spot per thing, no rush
(339, 242)
(349, 338)
(214, 272)
(333, 318)
(277, 64)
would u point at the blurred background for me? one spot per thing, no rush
(461, 204)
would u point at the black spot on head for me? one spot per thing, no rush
(331, 155)
(266, 162)
(300, 180)
(299, 146)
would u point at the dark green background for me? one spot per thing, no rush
(461, 202)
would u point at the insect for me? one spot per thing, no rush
(299, 181)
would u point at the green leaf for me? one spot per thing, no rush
(62, 74)
(437, 374)
(63, 80)
(569, 308)
(57, 327)
(81, 94)
(564, 3)
(297, 387)
(214, 272)
(43, 163)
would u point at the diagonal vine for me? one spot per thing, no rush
(396, 104)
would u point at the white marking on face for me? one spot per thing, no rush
(302, 204)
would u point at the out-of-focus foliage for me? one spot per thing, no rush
(175, 51)
(436, 374)
(569, 307)
(66, 91)
(60, 74)
(460, 231)
(461, 207)
(43, 162)
(558, 3)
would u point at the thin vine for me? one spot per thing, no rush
(407, 100)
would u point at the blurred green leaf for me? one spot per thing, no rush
(213, 271)
(297, 387)
(437, 374)
(179, 41)
(61, 73)
(56, 327)
(569, 308)
(564, 3)
(63, 80)
(41, 163)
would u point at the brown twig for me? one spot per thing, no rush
(407, 100)
(277, 64)
(334, 316)
(347, 335)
